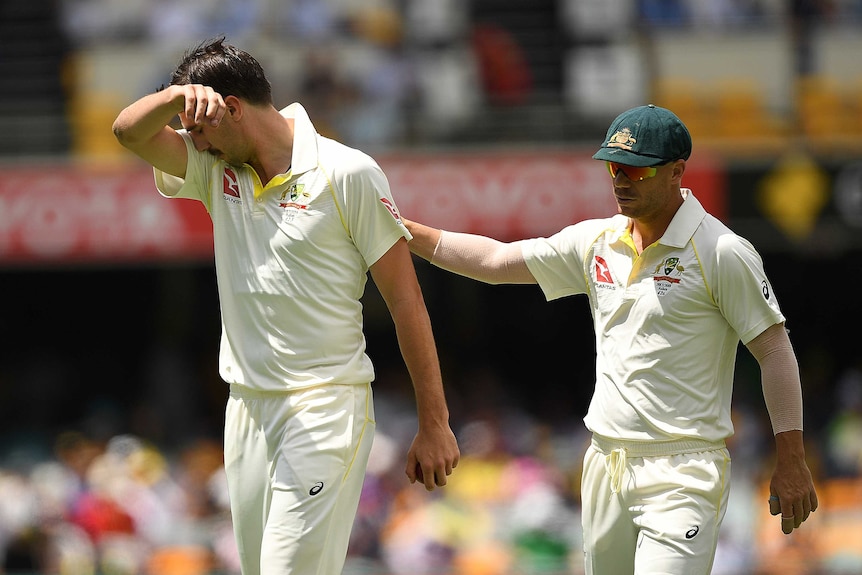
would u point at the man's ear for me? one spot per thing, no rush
(678, 169)
(234, 107)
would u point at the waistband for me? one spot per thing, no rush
(654, 448)
(244, 391)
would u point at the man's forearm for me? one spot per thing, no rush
(474, 256)
(782, 389)
(145, 118)
(424, 240)
(416, 341)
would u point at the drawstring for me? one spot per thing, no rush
(615, 464)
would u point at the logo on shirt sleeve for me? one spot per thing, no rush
(392, 209)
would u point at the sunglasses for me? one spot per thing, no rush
(631, 172)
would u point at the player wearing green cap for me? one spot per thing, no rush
(672, 292)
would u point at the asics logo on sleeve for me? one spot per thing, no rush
(316, 488)
(690, 534)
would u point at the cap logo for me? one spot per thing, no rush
(622, 139)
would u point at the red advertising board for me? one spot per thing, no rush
(65, 214)
(518, 194)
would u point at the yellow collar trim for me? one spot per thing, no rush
(276, 181)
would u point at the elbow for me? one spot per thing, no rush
(124, 131)
(120, 132)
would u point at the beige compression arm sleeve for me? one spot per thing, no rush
(482, 258)
(779, 370)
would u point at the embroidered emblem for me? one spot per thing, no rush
(667, 274)
(294, 196)
(622, 139)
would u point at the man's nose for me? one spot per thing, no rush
(621, 180)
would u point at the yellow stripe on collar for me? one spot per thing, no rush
(277, 180)
(628, 240)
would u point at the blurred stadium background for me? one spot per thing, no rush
(484, 114)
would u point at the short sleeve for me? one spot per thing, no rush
(196, 183)
(557, 262)
(741, 289)
(373, 220)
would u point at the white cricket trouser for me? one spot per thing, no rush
(295, 465)
(653, 508)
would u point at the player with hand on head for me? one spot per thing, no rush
(672, 292)
(298, 220)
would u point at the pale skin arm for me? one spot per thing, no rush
(424, 240)
(791, 480)
(434, 451)
(475, 256)
(143, 126)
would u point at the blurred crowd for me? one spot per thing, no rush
(379, 73)
(126, 506)
(391, 73)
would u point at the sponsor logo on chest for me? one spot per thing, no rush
(667, 274)
(231, 187)
(604, 279)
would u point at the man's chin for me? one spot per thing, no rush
(221, 156)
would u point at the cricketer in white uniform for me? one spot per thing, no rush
(672, 292)
(295, 252)
(298, 222)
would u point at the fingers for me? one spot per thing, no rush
(414, 471)
(203, 105)
(774, 505)
(806, 509)
(432, 457)
(436, 477)
(792, 514)
(787, 524)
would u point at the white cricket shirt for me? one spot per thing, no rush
(668, 322)
(292, 258)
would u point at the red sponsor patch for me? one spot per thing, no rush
(603, 272)
(231, 184)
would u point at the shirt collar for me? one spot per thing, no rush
(685, 222)
(304, 155)
(681, 228)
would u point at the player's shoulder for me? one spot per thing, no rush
(584, 235)
(718, 246)
(714, 232)
(591, 230)
(342, 160)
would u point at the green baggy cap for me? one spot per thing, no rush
(645, 136)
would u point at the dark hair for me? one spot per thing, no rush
(226, 69)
